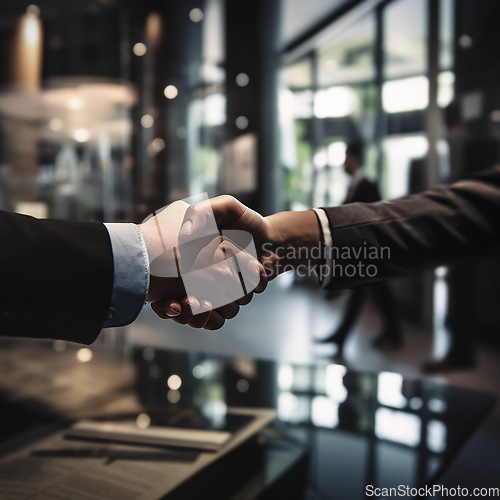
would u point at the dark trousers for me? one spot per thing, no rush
(385, 302)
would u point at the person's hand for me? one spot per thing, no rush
(192, 273)
(231, 214)
(229, 285)
(283, 240)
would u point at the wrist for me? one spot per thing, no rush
(292, 236)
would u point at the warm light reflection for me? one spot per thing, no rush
(495, 116)
(389, 392)
(148, 354)
(139, 49)
(84, 355)
(171, 92)
(59, 346)
(196, 15)
(147, 121)
(158, 145)
(154, 28)
(174, 382)
(75, 103)
(33, 9)
(26, 59)
(143, 421)
(81, 135)
(397, 426)
(31, 30)
(56, 124)
(173, 396)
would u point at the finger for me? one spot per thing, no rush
(227, 210)
(201, 318)
(198, 221)
(271, 262)
(215, 321)
(167, 308)
(245, 300)
(248, 267)
(189, 307)
(262, 285)
(229, 310)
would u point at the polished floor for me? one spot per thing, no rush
(284, 323)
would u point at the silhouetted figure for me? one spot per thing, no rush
(362, 189)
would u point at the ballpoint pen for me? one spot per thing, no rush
(112, 454)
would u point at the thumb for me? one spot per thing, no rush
(198, 222)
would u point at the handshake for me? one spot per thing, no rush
(208, 258)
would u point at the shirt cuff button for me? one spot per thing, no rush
(111, 314)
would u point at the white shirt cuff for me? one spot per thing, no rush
(327, 236)
(131, 274)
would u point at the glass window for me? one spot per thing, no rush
(446, 79)
(405, 38)
(405, 94)
(207, 116)
(340, 109)
(446, 34)
(296, 101)
(298, 75)
(349, 59)
(401, 154)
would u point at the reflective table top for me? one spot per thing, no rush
(362, 431)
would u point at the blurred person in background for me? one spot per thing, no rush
(467, 153)
(361, 189)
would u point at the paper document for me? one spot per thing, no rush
(128, 432)
(26, 476)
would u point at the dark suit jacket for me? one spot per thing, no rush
(421, 231)
(366, 191)
(56, 278)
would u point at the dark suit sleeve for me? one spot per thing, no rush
(56, 278)
(417, 232)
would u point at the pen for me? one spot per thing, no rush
(184, 456)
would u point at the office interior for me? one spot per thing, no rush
(110, 109)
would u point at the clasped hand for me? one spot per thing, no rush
(203, 260)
